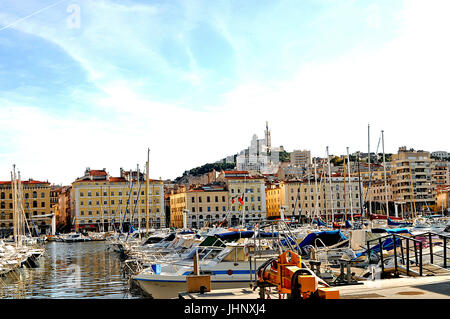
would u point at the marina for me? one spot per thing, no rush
(69, 271)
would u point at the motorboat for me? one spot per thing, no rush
(228, 267)
(75, 237)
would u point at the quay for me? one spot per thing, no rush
(431, 287)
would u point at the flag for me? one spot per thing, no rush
(241, 199)
(232, 201)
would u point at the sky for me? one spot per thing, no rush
(94, 84)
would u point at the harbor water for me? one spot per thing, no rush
(71, 271)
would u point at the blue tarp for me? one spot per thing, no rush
(348, 224)
(392, 223)
(235, 235)
(329, 238)
(319, 222)
(387, 244)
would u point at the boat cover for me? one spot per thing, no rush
(235, 235)
(329, 238)
(392, 223)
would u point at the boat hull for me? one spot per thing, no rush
(169, 288)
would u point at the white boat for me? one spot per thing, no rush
(75, 237)
(228, 267)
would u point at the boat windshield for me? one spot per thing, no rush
(205, 253)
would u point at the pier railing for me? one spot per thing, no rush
(411, 250)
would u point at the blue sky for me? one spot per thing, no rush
(94, 83)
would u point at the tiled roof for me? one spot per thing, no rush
(97, 173)
(24, 182)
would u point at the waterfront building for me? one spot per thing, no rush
(36, 197)
(378, 194)
(412, 182)
(273, 200)
(100, 201)
(64, 217)
(204, 205)
(305, 198)
(442, 199)
(251, 191)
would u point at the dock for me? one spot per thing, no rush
(429, 287)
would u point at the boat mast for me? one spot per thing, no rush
(138, 186)
(349, 182)
(345, 194)
(385, 177)
(360, 188)
(331, 190)
(315, 185)
(146, 190)
(309, 188)
(412, 191)
(15, 221)
(368, 159)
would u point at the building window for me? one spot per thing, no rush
(81, 194)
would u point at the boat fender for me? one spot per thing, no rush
(246, 250)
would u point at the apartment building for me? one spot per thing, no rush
(100, 201)
(412, 180)
(36, 200)
(200, 206)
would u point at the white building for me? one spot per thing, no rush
(259, 156)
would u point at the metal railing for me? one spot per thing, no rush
(399, 241)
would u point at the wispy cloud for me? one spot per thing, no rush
(193, 81)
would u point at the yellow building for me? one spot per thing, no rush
(205, 205)
(101, 202)
(273, 201)
(178, 205)
(315, 198)
(37, 207)
(252, 192)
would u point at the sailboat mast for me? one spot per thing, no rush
(331, 189)
(368, 159)
(345, 194)
(146, 191)
(360, 188)
(315, 185)
(350, 185)
(385, 177)
(137, 198)
(15, 221)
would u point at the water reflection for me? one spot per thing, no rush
(70, 270)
